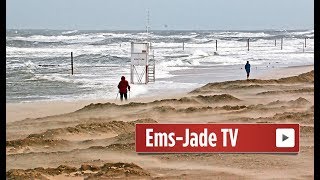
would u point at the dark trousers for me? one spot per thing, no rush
(123, 94)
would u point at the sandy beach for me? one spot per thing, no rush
(95, 139)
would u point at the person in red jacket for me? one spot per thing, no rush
(122, 86)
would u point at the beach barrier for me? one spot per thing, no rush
(305, 42)
(149, 70)
(71, 63)
(216, 45)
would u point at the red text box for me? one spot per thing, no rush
(219, 138)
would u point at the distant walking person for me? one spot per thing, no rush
(247, 67)
(122, 86)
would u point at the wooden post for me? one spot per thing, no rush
(303, 45)
(147, 74)
(71, 63)
(275, 42)
(132, 74)
(216, 45)
(182, 45)
(281, 42)
(248, 44)
(305, 42)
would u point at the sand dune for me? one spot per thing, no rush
(97, 141)
(255, 83)
(304, 90)
(114, 170)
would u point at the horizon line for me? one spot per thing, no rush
(293, 29)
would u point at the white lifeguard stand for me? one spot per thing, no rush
(142, 60)
(142, 63)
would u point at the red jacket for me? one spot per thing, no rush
(123, 84)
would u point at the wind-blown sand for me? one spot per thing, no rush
(96, 140)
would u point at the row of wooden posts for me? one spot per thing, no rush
(248, 44)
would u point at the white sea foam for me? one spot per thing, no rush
(61, 38)
(99, 66)
(69, 32)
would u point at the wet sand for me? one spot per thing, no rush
(20, 111)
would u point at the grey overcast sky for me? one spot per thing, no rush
(164, 14)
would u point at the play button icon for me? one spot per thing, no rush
(285, 137)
